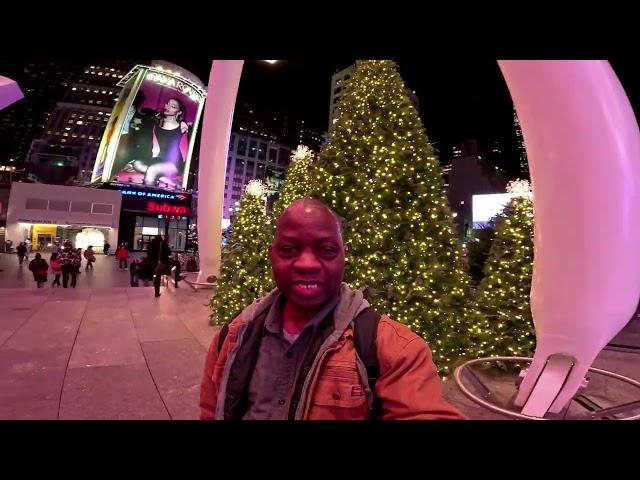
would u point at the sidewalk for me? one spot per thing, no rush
(104, 351)
(117, 353)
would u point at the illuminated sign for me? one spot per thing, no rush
(176, 84)
(166, 208)
(142, 193)
(150, 136)
(486, 207)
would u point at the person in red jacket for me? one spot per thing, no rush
(292, 354)
(39, 267)
(122, 254)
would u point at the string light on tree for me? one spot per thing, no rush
(503, 322)
(297, 183)
(380, 174)
(519, 186)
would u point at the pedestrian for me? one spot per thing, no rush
(27, 243)
(106, 248)
(159, 255)
(176, 268)
(146, 271)
(69, 269)
(313, 348)
(21, 250)
(39, 268)
(56, 268)
(90, 256)
(77, 260)
(134, 272)
(122, 254)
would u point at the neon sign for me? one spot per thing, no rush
(172, 82)
(139, 193)
(165, 208)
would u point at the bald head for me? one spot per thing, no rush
(306, 207)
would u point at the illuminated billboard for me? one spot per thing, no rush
(150, 136)
(486, 207)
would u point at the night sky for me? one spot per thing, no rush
(459, 100)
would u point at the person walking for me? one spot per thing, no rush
(67, 257)
(39, 268)
(77, 260)
(56, 268)
(90, 256)
(122, 254)
(134, 272)
(106, 248)
(21, 250)
(159, 255)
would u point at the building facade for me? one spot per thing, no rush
(48, 213)
(42, 82)
(147, 212)
(469, 175)
(249, 158)
(339, 82)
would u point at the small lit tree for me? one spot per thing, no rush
(297, 183)
(503, 322)
(245, 274)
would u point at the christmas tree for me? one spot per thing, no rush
(297, 183)
(380, 174)
(503, 315)
(245, 274)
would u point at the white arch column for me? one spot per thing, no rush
(583, 146)
(224, 80)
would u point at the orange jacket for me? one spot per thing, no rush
(408, 386)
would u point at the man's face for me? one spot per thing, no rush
(307, 256)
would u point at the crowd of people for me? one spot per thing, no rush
(65, 262)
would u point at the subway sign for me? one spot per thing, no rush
(168, 209)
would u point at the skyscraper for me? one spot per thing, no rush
(43, 83)
(339, 82)
(522, 152)
(70, 140)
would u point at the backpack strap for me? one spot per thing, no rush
(365, 332)
(223, 334)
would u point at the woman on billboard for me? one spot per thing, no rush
(167, 159)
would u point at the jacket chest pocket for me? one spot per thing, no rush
(339, 394)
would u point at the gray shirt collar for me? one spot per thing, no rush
(273, 322)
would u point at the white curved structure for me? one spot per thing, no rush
(224, 80)
(583, 146)
(9, 92)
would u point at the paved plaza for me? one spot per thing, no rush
(108, 351)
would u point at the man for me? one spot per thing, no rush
(292, 354)
(68, 261)
(21, 250)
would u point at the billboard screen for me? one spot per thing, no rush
(486, 207)
(150, 136)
